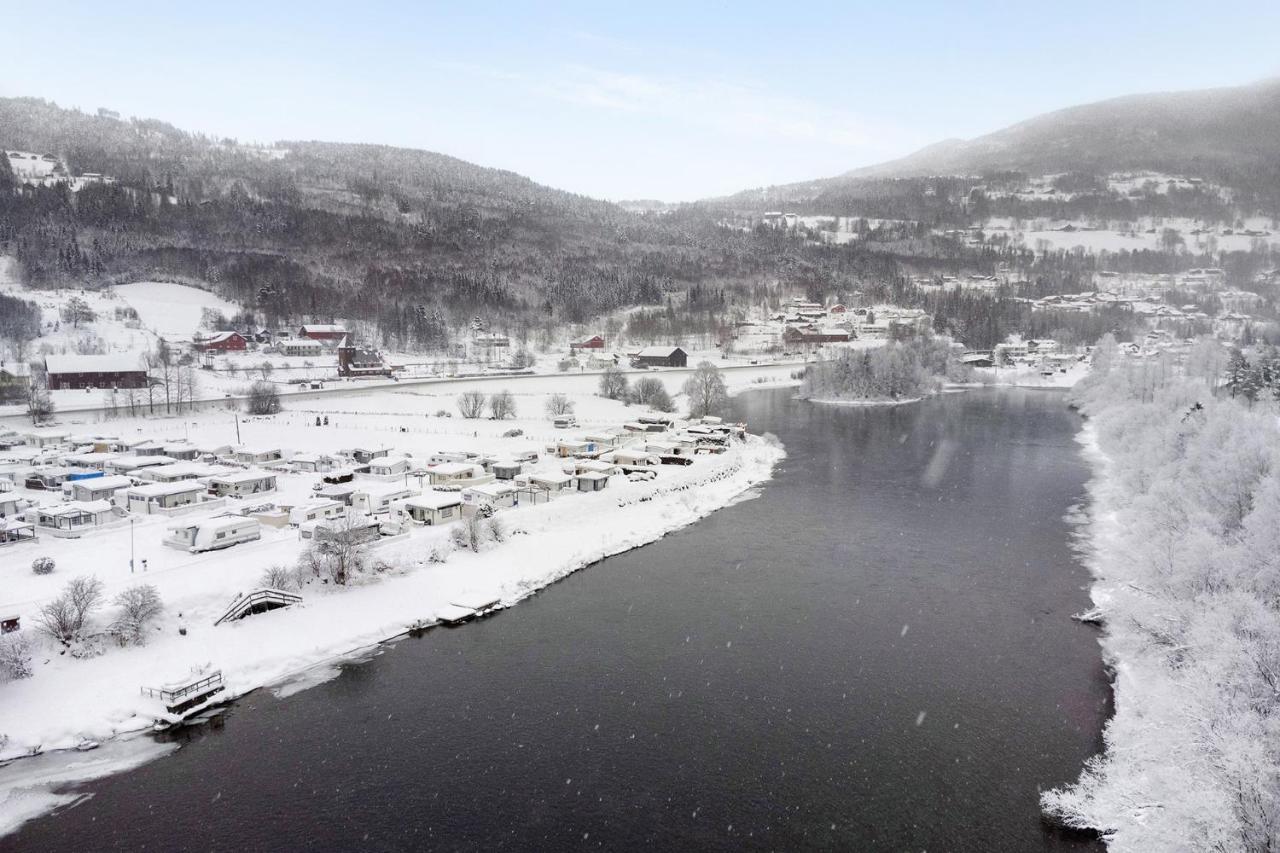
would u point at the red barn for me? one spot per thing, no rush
(322, 332)
(593, 342)
(221, 342)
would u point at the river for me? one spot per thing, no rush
(875, 653)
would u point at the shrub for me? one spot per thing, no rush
(15, 656)
(278, 577)
(42, 565)
(139, 606)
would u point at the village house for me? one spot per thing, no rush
(300, 347)
(326, 332)
(354, 361)
(660, 357)
(159, 497)
(593, 342)
(430, 508)
(114, 370)
(14, 378)
(221, 342)
(242, 483)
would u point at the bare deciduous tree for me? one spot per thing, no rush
(502, 405)
(64, 619)
(558, 405)
(471, 404)
(613, 383)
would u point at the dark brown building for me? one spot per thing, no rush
(115, 370)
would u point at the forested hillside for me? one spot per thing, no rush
(413, 240)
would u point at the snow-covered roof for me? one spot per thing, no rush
(324, 329)
(657, 352)
(98, 484)
(160, 490)
(241, 477)
(78, 507)
(115, 362)
(453, 469)
(433, 500)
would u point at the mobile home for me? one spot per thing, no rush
(242, 483)
(554, 484)
(316, 510)
(375, 501)
(455, 474)
(389, 466)
(256, 455)
(208, 534)
(429, 508)
(74, 517)
(158, 497)
(100, 489)
(496, 495)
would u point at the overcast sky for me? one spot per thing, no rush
(639, 100)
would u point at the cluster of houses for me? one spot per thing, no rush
(217, 495)
(802, 327)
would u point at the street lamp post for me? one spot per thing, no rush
(131, 521)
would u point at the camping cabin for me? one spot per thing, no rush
(208, 534)
(496, 495)
(43, 437)
(177, 472)
(365, 455)
(159, 497)
(360, 530)
(389, 466)
(48, 479)
(100, 489)
(15, 530)
(9, 503)
(132, 463)
(455, 474)
(375, 501)
(181, 451)
(553, 484)
(93, 461)
(242, 483)
(313, 463)
(74, 517)
(592, 481)
(317, 510)
(629, 458)
(256, 455)
(506, 469)
(429, 508)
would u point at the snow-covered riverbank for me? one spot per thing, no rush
(67, 700)
(1183, 538)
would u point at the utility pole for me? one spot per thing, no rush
(131, 521)
(237, 428)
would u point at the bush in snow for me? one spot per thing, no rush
(42, 565)
(471, 404)
(65, 619)
(442, 413)
(337, 557)
(469, 533)
(649, 391)
(558, 405)
(440, 552)
(496, 529)
(278, 577)
(15, 656)
(139, 606)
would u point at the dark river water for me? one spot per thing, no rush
(875, 654)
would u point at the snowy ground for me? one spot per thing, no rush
(67, 699)
(1118, 236)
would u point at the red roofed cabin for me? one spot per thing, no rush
(322, 332)
(221, 342)
(837, 309)
(593, 342)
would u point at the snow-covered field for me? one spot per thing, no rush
(1117, 237)
(172, 311)
(67, 700)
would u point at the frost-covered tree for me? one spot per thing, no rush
(613, 383)
(649, 391)
(706, 391)
(139, 607)
(15, 656)
(558, 405)
(502, 405)
(65, 619)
